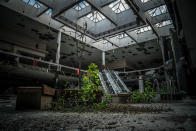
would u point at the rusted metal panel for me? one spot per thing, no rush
(48, 90)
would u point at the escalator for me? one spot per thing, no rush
(112, 83)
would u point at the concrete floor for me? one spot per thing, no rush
(181, 118)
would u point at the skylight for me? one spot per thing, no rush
(33, 3)
(96, 16)
(144, 29)
(144, 1)
(81, 5)
(49, 12)
(119, 6)
(121, 36)
(164, 23)
(158, 11)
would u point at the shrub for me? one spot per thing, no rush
(88, 97)
(90, 84)
(147, 96)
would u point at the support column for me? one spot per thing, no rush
(161, 44)
(141, 84)
(58, 49)
(103, 58)
(58, 58)
(178, 61)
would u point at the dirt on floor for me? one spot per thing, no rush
(178, 116)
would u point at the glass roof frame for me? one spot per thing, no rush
(119, 6)
(33, 3)
(158, 11)
(121, 36)
(95, 16)
(163, 23)
(143, 29)
(81, 5)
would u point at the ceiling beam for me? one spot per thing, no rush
(84, 14)
(118, 29)
(160, 18)
(42, 12)
(67, 7)
(152, 4)
(47, 3)
(111, 42)
(108, 3)
(131, 37)
(72, 26)
(140, 13)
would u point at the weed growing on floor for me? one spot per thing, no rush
(147, 96)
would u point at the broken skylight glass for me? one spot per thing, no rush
(158, 11)
(119, 6)
(96, 16)
(164, 23)
(33, 3)
(81, 5)
(143, 29)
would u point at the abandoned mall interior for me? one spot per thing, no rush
(79, 65)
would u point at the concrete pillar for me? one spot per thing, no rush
(141, 84)
(58, 48)
(178, 61)
(160, 41)
(103, 58)
(161, 44)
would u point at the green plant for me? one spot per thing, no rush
(90, 84)
(149, 91)
(163, 88)
(59, 103)
(106, 100)
(147, 96)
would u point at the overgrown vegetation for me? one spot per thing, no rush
(88, 97)
(90, 85)
(147, 96)
(105, 101)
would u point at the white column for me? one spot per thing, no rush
(58, 48)
(141, 84)
(103, 58)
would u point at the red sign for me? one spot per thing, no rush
(78, 71)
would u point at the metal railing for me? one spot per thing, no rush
(103, 83)
(121, 82)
